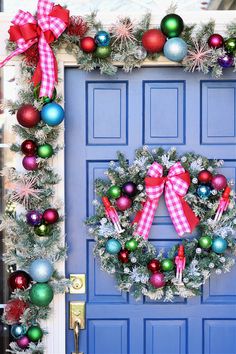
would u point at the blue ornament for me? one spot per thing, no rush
(219, 245)
(18, 331)
(113, 246)
(34, 217)
(203, 191)
(52, 114)
(175, 49)
(102, 39)
(41, 270)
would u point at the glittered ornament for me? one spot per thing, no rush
(14, 309)
(215, 41)
(42, 230)
(153, 41)
(88, 45)
(77, 26)
(123, 203)
(41, 294)
(28, 147)
(102, 52)
(45, 151)
(35, 333)
(50, 216)
(52, 114)
(219, 182)
(102, 39)
(131, 245)
(230, 45)
(19, 280)
(204, 176)
(167, 265)
(28, 116)
(172, 25)
(226, 61)
(175, 49)
(205, 242)
(219, 245)
(154, 265)
(31, 55)
(34, 217)
(123, 256)
(30, 163)
(23, 342)
(129, 188)
(157, 280)
(45, 99)
(140, 53)
(114, 192)
(203, 191)
(41, 270)
(113, 246)
(18, 330)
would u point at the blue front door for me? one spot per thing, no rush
(155, 107)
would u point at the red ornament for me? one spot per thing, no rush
(153, 41)
(77, 26)
(215, 41)
(204, 176)
(123, 256)
(50, 216)
(154, 265)
(19, 280)
(28, 147)
(32, 55)
(88, 45)
(28, 116)
(13, 310)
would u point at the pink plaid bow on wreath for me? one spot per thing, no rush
(51, 22)
(175, 186)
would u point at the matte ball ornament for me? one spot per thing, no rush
(14, 310)
(23, 342)
(219, 245)
(30, 163)
(41, 270)
(123, 203)
(50, 216)
(34, 217)
(204, 176)
(52, 114)
(19, 280)
(203, 191)
(114, 192)
(226, 61)
(41, 294)
(42, 230)
(131, 245)
(157, 280)
(102, 52)
(35, 333)
(28, 147)
(88, 44)
(205, 242)
(167, 265)
(102, 39)
(45, 151)
(44, 98)
(18, 331)
(153, 41)
(154, 265)
(28, 116)
(129, 188)
(123, 256)
(215, 41)
(113, 246)
(175, 49)
(172, 25)
(230, 45)
(219, 182)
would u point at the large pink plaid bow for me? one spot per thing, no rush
(26, 31)
(175, 186)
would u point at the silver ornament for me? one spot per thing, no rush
(211, 265)
(198, 250)
(140, 53)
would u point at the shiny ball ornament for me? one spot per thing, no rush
(215, 41)
(123, 203)
(204, 176)
(44, 98)
(18, 331)
(34, 217)
(42, 230)
(28, 116)
(230, 45)
(28, 147)
(19, 280)
(172, 25)
(219, 182)
(226, 61)
(219, 245)
(114, 192)
(153, 41)
(102, 39)
(41, 270)
(113, 246)
(203, 191)
(154, 265)
(131, 245)
(52, 114)
(23, 342)
(205, 242)
(102, 52)
(167, 265)
(35, 333)
(41, 294)
(88, 45)
(45, 151)
(140, 53)
(157, 280)
(123, 256)
(129, 188)
(175, 49)
(50, 216)
(30, 163)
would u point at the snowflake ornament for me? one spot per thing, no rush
(198, 57)
(122, 32)
(22, 190)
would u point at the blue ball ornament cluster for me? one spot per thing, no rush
(41, 270)
(175, 49)
(113, 246)
(102, 39)
(219, 245)
(52, 114)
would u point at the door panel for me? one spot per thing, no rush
(154, 107)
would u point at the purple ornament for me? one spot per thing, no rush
(123, 203)
(226, 61)
(23, 342)
(219, 182)
(130, 189)
(34, 217)
(157, 280)
(30, 163)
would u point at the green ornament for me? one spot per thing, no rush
(172, 25)
(42, 230)
(131, 245)
(35, 333)
(44, 98)
(230, 45)
(102, 52)
(114, 192)
(167, 265)
(205, 242)
(45, 151)
(41, 294)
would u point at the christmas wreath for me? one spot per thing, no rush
(200, 202)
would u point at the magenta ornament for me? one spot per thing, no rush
(123, 203)
(219, 182)
(215, 41)
(30, 163)
(157, 280)
(130, 189)
(23, 342)
(226, 61)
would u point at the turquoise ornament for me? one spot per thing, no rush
(52, 114)
(102, 39)
(18, 331)
(219, 245)
(41, 270)
(175, 49)
(203, 191)
(113, 246)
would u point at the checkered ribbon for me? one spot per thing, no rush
(51, 21)
(175, 187)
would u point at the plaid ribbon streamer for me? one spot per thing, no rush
(174, 186)
(26, 31)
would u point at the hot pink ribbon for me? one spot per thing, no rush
(175, 187)
(26, 31)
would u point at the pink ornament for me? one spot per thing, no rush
(219, 182)
(157, 280)
(23, 342)
(215, 41)
(123, 203)
(30, 163)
